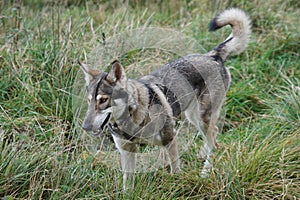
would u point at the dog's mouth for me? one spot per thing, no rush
(102, 126)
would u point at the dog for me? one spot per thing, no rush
(144, 111)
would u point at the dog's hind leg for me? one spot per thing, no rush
(210, 143)
(210, 116)
(200, 115)
(127, 152)
(210, 130)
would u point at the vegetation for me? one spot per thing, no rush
(42, 151)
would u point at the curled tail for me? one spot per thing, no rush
(239, 37)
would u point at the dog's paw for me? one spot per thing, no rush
(206, 169)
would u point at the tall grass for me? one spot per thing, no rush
(43, 155)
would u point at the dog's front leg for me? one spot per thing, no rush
(128, 162)
(127, 152)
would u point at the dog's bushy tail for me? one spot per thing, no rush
(239, 37)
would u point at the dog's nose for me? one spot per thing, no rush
(87, 126)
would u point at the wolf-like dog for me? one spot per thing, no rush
(144, 111)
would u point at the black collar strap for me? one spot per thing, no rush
(114, 130)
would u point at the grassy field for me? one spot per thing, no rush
(42, 154)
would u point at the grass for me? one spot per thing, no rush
(43, 154)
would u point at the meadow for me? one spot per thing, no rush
(42, 149)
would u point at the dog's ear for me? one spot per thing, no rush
(116, 72)
(89, 73)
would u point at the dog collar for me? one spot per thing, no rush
(114, 130)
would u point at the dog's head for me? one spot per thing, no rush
(106, 94)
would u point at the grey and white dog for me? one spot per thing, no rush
(144, 111)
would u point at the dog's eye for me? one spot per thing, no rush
(103, 100)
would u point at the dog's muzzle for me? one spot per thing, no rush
(101, 121)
